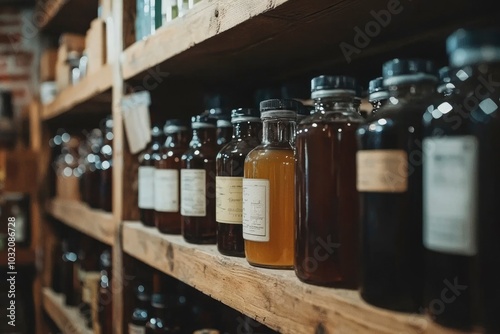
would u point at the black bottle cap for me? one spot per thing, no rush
(376, 85)
(398, 71)
(323, 85)
(472, 46)
(158, 300)
(280, 104)
(245, 114)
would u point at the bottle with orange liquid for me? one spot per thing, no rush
(268, 189)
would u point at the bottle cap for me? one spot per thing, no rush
(156, 131)
(174, 125)
(105, 259)
(326, 85)
(158, 300)
(283, 108)
(221, 116)
(377, 90)
(142, 293)
(399, 71)
(203, 120)
(473, 46)
(245, 115)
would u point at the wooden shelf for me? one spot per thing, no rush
(219, 39)
(274, 297)
(67, 318)
(92, 94)
(24, 257)
(57, 16)
(97, 224)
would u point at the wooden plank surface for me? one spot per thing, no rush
(92, 88)
(274, 297)
(67, 318)
(97, 224)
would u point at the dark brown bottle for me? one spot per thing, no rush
(157, 323)
(224, 128)
(141, 313)
(389, 179)
(327, 239)
(167, 177)
(229, 181)
(106, 171)
(105, 293)
(70, 282)
(198, 183)
(146, 177)
(92, 175)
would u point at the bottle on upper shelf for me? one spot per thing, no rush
(389, 179)
(268, 189)
(327, 231)
(198, 182)
(166, 177)
(247, 129)
(106, 171)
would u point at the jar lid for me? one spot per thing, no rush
(326, 85)
(245, 115)
(284, 108)
(174, 125)
(398, 71)
(203, 120)
(472, 46)
(377, 90)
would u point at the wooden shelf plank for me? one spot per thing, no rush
(274, 297)
(93, 88)
(58, 16)
(97, 224)
(67, 318)
(24, 257)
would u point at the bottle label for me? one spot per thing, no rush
(146, 191)
(229, 199)
(382, 171)
(166, 195)
(193, 193)
(134, 329)
(256, 210)
(450, 194)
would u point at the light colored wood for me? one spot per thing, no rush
(67, 318)
(274, 297)
(205, 20)
(97, 224)
(90, 88)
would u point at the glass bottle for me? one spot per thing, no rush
(106, 172)
(69, 275)
(8, 133)
(91, 177)
(140, 314)
(229, 180)
(377, 94)
(460, 169)
(145, 177)
(389, 179)
(268, 189)
(198, 183)
(157, 323)
(327, 231)
(105, 313)
(224, 126)
(166, 177)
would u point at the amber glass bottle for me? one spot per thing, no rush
(166, 177)
(140, 314)
(145, 177)
(389, 179)
(268, 189)
(247, 129)
(327, 231)
(198, 183)
(224, 126)
(157, 324)
(106, 171)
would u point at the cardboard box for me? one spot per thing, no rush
(48, 65)
(96, 45)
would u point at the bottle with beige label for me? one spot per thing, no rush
(198, 183)
(389, 179)
(268, 189)
(166, 177)
(230, 162)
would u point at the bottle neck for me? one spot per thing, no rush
(176, 139)
(344, 104)
(204, 136)
(278, 131)
(246, 129)
(412, 90)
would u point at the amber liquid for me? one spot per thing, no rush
(201, 155)
(170, 158)
(327, 204)
(277, 166)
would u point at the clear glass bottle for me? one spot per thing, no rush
(389, 179)
(268, 189)
(147, 161)
(327, 233)
(247, 129)
(106, 171)
(198, 183)
(141, 313)
(166, 177)
(377, 94)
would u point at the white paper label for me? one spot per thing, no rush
(193, 193)
(146, 191)
(134, 329)
(256, 209)
(166, 190)
(450, 194)
(228, 199)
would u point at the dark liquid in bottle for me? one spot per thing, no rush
(105, 187)
(93, 180)
(327, 237)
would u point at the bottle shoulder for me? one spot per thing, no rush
(332, 117)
